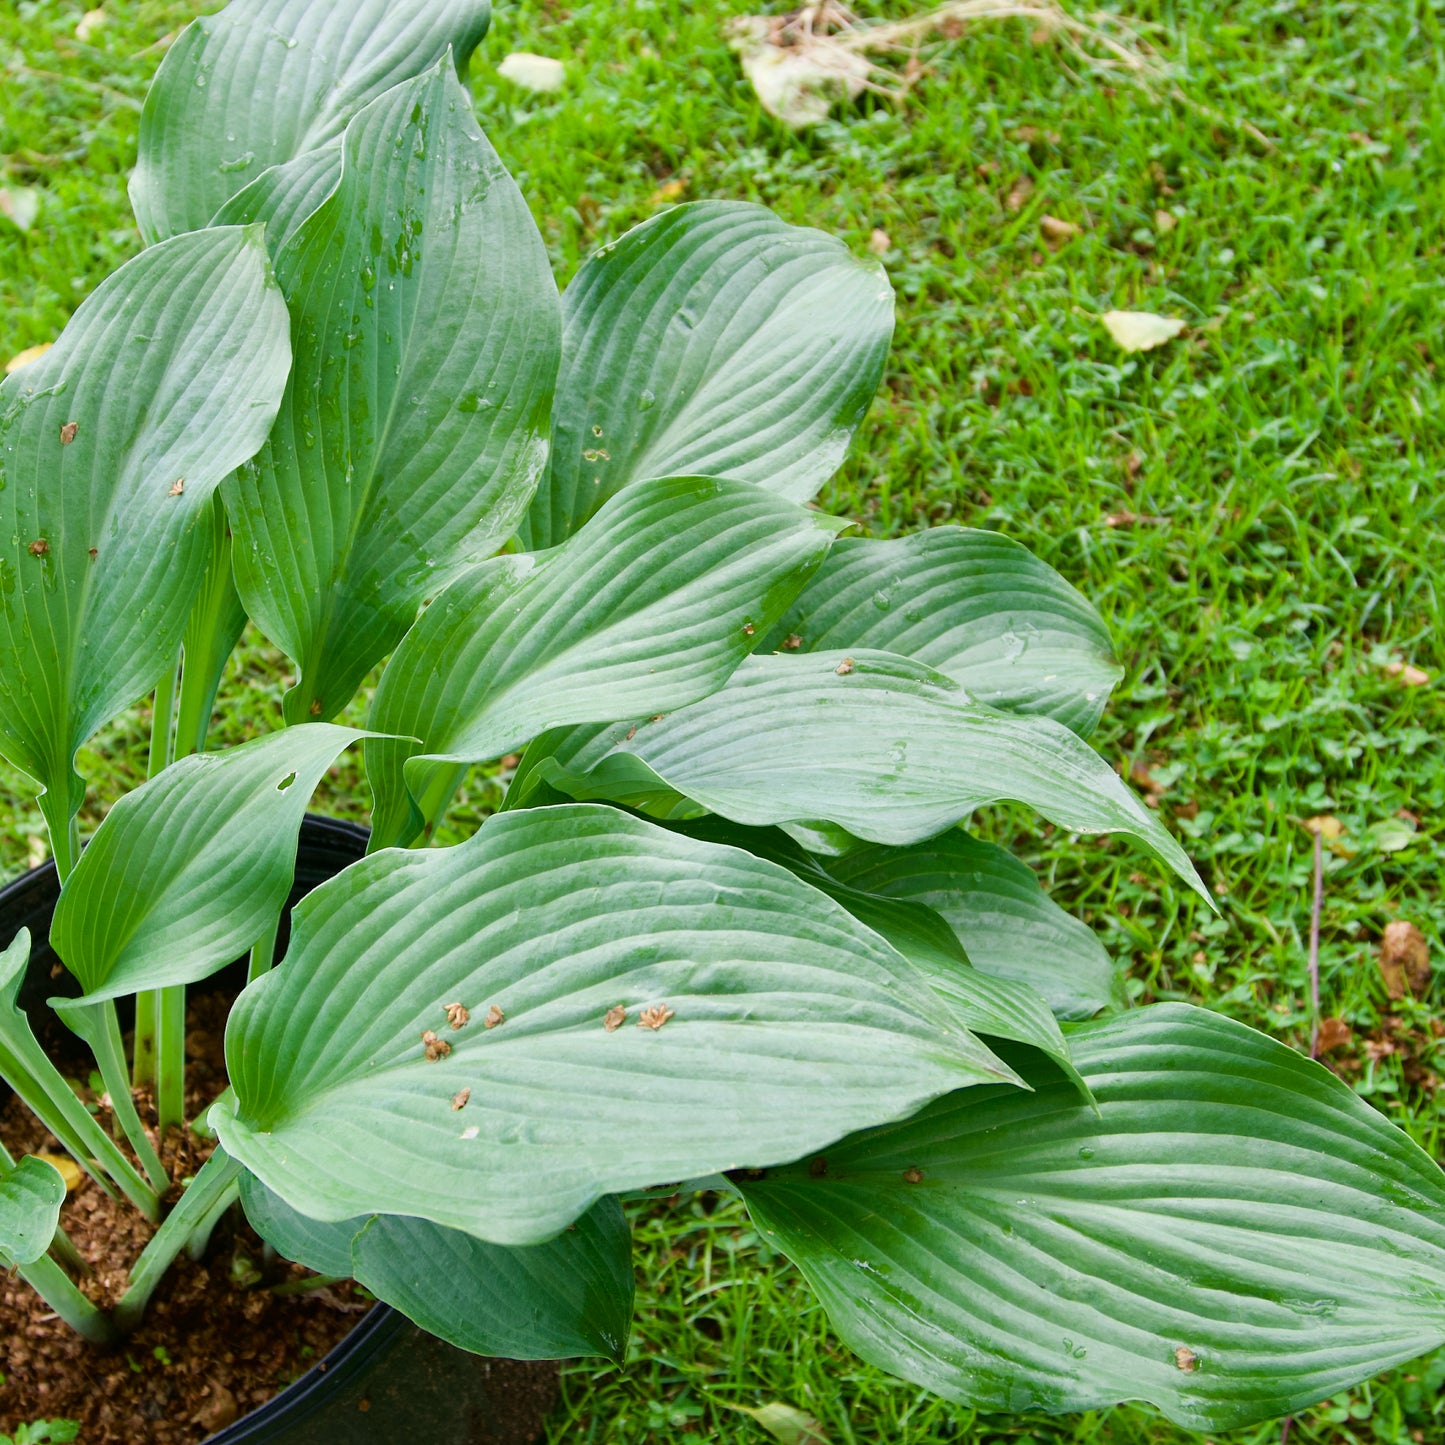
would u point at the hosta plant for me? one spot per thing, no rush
(726, 926)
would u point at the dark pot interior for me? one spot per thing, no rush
(387, 1381)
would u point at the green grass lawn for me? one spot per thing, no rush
(1255, 508)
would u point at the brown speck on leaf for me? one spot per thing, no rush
(1404, 960)
(654, 1017)
(459, 1099)
(315, 708)
(596, 431)
(818, 1169)
(67, 432)
(792, 642)
(1186, 1359)
(435, 1048)
(94, 553)
(631, 733)
(457, 1015)
(616, 1017)
(913, 1176)
(749, 630)
(597, 455)
(39, 548)
(494, 1017)
(845, 667)
(177, 487)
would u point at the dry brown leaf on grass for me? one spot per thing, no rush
(1406, 674)
(1334, 1034)
(803, 62)
(1404, 960)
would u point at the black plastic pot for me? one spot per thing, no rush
(387, 1381)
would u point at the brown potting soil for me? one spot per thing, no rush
(217, 1340)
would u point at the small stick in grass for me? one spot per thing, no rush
(1318, 899)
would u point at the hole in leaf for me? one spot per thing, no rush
(285, 782)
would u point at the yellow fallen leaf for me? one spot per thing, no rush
(1056, 232)
(66, 1167)
(90, 22)
(1407, 675)
(1141, 330)
(1329, 828)
(533, 72)
(668, 191)
(24, 358)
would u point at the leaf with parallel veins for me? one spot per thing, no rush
(265, 81)
(426, 325)
(972, 604)
(112, 446)
(651, 605)
(569, 1297)
(713, 339)
(738, 984)
(1231, 1235)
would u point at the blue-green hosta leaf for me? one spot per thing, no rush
(1231, 1236)
(651, 1001)
(31, 1193)
(285, 197)
(426, 324)
(568, 1297)
(972, 604)
(651, 605)
(713, 339)
(111, 448)
(887, 748)
(993, 1007)
(187, 871)
(265, 81)
(1009, 926)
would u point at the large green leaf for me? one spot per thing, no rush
(1232, 1235)
(268, 80)
(570, 1296)
(285, 197)
(713, 339)
(976, 606)
(425, 321)
(887, 748)
(651, 605)
(1006, 922)
(993, 1007)
(544, 923)
(111, 447)
(31, 1193)
(188, 871)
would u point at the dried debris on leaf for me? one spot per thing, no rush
(803, 62)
